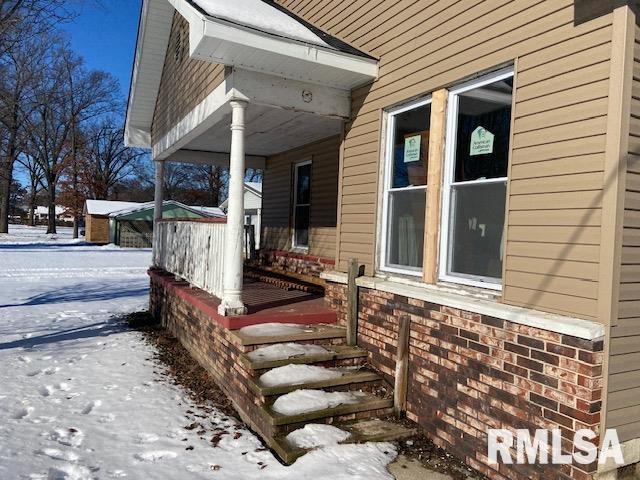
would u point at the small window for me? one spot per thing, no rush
(301, 204)
(405, 188)
(475, 183)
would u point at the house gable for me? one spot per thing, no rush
(185, 81)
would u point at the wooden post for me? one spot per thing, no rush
(434, 182)
(352, 302)
(402, 367)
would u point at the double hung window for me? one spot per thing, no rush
(301, 204)
(474, 184)
(405, 187)
(475, 180)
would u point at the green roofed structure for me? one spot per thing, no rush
(132, 227)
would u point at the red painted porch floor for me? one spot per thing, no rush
(265, 303)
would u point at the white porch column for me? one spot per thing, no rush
(158, 196)
(159, 191)
(234, 234)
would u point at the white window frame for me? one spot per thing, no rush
(448, 183)
(296, 166)
(386, 187)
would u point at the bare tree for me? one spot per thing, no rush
(22, 20)
(90, 94)
(34, 172)
(176, 179)
(69, 96)
(253, 175)
(19, 79)
(213, 180)
(109, 161)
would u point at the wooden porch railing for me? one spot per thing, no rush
(192, 250)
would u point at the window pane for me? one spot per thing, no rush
(301, 234)
(477, 228)
(405, 239)
(303, 187)
(410, 147)
(484, 124)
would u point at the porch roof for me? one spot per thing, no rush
(275, 43)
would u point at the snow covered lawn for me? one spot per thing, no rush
(81, 397)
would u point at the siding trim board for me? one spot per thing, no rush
(621, 301)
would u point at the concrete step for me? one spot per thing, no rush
(367, 403)
(309, 333)
(362, 431)
(355, 379)
(336, 354)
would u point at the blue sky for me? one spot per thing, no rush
(104, 33)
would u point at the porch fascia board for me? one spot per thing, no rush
(255, 88)
(296, 95)
(148, 62)
(204, 116)
(199, 157)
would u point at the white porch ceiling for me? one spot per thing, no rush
(268, 131)
(281, 115)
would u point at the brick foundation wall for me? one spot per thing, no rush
(469, 373)
(296, 263)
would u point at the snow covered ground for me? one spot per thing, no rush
(81, 397)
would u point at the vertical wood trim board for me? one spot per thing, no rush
(434, 184)
(617, 146)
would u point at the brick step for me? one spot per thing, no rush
(351, 379)
(310, 333)
(368, 403)
(337, 355)
(362, 431)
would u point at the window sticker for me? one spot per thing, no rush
(412, 149)
(481, 142)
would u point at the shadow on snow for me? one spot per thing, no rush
(83, 293)
(101, 329)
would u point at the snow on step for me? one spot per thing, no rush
(305, 401)
(273, 329)
(298, 374)
(282, 351)
(314, 435)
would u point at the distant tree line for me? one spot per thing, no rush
(61, 127)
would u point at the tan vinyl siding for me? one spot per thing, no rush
(277, 197)
(623, 402)
(561, 106)
(185, 82)
(97, 229)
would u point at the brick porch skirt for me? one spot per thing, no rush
(469, 373)
(296, 263)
